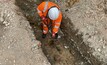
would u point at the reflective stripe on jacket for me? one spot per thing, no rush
(43, 10)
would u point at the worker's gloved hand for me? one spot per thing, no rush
(43, 18)
(55, 35)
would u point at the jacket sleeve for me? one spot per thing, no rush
(39, 11)
(57, 23)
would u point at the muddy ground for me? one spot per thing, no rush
(19, 41)
(18, 45)
(86, 18)
(57, 51)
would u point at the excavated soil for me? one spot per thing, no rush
(57, 51)
(88, 16)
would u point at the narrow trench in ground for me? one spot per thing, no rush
(57, 51)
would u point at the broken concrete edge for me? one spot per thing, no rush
(14, 22)
(76, 40)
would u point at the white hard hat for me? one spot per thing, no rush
(53, 13)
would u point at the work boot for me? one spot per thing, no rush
(56, 35)
(43, 35)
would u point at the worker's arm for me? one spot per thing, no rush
(55, 30)
(41, 15)
(56, 25)
(39, 12)
(40, 9)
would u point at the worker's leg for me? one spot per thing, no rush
(45, 28)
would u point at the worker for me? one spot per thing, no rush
(51, 16)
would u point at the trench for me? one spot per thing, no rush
(58, 52)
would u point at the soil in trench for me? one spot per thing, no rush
(56, 50)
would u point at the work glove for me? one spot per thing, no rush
(43, 18)
(55, 35)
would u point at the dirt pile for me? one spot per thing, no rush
(18, 45)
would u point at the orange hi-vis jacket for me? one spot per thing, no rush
(43, 10)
